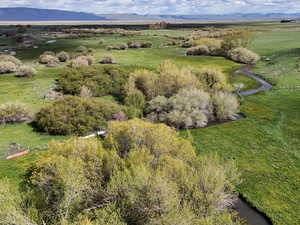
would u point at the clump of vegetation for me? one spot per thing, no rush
(213, 79)
(14, 113)
(12, 59)
(50, 60)
(190, 108)
(166, 82)
(146, 44)
(141, 174)
(123, 47)
(82, 61)
(134, 45)
(101, 81)
(226, 106)
(108, 59)
(63, 56)
(26, 71)
(73, 115)
(243, 55)
(7, 67)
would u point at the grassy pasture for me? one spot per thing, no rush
(266, 145)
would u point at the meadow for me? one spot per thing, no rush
(265, 144)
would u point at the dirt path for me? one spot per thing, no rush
(265, 85)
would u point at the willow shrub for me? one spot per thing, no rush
(106, 80)
(14, 113)
(167, 81)
(243, 55)
(76, 116)
(190, 108)
(141, 174)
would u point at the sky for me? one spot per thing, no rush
(196, 7)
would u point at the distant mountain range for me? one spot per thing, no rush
(32, 14)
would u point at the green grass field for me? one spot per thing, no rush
(266, 144)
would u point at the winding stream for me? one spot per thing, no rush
(245, 211)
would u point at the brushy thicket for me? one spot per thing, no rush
(182, 97)
(14, 113)
(9, 64)
(142, 174)
(82, 61)
(167, 81)
(107, 59)
(7, 67)
(101, 81)
(26, 71)
(73, 115)
(63, 56)
(228, 43)
(49, 59)
(226, 106)
(243, 55)
(193, 108)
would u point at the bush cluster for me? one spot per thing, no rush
(146, 44)
(108, 59)
(49, 60)
(101, 81)
(167, 81)
(141, 174)
(231, 43)
(81, 61)
(243, 55)
(9, 64)
(26, 71)
(73, 115)
(7, 67)
(14, 113)
(193, 108)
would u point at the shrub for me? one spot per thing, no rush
(188, 109)
(75, 115)
(199, 50)
(9, 58)
(26, 71)
(123, 47)
(91, 60)
(134, 45)
(81, 49)
(243, 55)
(13, 113)
(213, 79)
(101, 81)
(146, 44)
(108, 59)
(136, 99)
(166, 82)
(79, 62)
(7, 67)
(63, 56)
(48, 59)
(226, 106)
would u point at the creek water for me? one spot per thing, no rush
(249, 214)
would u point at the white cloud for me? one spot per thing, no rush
(163, 6)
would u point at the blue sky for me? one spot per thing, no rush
(163, 6)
